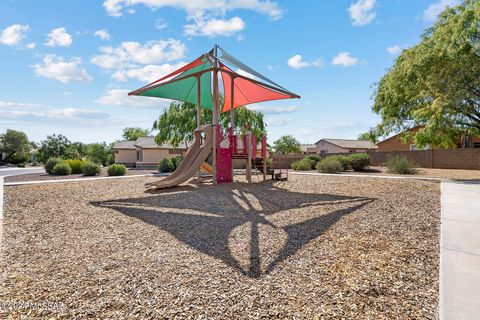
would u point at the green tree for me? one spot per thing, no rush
(98, 153)
(368, 136)
(287, 145)
(177, 123)
(16, 146)
(133, 133)
(436, 83)
(53, 146)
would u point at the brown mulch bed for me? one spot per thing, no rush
(313, 247)
(45, 176)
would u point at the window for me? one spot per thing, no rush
(476, 144)
(139, 155)
(323, 151)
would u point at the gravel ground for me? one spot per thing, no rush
(45, 176)
(314, 247)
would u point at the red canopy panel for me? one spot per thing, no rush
(246, 92)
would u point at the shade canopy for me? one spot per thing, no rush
(249, 86)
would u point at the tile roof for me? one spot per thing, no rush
(350, 144)
(125, 144)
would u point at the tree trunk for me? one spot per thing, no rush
(466, 140)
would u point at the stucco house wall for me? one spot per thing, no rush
(125, 156)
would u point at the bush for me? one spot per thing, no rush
(18, 157)
(329, 165)
(400, 165)
(344, 161)
(21, 165)
(52, 162)
(359, 161)
(302, 165)
(62, 169)
(313, 158)
(116, 170)
(165, 165)
(91, 168)
(175, 162)
(76, 165)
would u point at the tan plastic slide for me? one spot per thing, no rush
(194, 157)
(205, 167)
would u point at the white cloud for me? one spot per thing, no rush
(59, 37)
(58, 68)
(102, 34)
(344, 59)
(362, 12)
(433, 10)
(272, 109)
(276, 122)
(17, 113)
(147, 73)
(198, 8)
(120, 98)
(31, 45)
(129, 54)
(214, 27)
(394, 50)
(18, 105)
(297, 62)
(12, 35)
(160, 24)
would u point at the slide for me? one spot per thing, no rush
(194, 158)
(205, 167)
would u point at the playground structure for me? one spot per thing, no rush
(199, 83)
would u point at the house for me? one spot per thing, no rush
(396, 143)
(326, 146)
(144, 153)
(308, 148)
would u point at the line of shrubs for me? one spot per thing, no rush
(333, 164)
(61, 167)
(169, 164)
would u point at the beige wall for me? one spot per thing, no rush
(125, 156)
(154, 156)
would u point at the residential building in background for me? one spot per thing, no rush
(326, 146)
(144, 153)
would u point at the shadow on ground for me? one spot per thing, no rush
(219, 210)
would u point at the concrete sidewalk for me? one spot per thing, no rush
(460, 251)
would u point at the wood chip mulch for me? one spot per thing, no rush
(313, 247)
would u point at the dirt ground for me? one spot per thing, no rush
(45, 176)
(313, 247)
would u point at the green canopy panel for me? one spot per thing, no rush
(186, 89)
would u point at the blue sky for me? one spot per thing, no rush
(66, 66)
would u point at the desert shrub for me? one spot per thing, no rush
(302, 165)
(52, 162)
(76, 165)
(329, 165)
(313, 158)
(91, 168)
(344, 160)
(400, 165)
(175, 162)
(359, 161)
(165, 165)
(62, 168)
(116, 170)
(18, 157)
